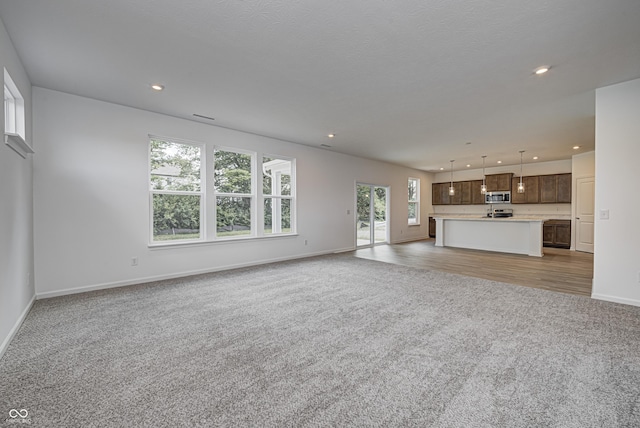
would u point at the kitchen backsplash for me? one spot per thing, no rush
(556, 211)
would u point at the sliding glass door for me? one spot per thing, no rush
(371, 215)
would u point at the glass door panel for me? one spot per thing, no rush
(371, 219)
(363, 219)
(380, 215)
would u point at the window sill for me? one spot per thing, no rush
(168, 245)
(17, 143)
(413, 224)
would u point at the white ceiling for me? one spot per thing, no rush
(406, 81)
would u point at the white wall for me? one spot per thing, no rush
(91, 197)
(583, 166)
(556, 211)
(617, 240)
(16, 211)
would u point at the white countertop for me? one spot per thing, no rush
(521, 217)
(480, 218)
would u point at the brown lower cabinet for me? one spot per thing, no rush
(556, 233)
(432, 227)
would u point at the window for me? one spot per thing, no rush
(414, 201)
(233, 188)
(14, 117)
(188, 206)
(176, 191)
(278, 194)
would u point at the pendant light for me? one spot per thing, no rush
(483, 188)
(452, 190)
(521, 184)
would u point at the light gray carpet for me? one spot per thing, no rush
(327, 341)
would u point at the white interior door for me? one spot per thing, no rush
(585, 207)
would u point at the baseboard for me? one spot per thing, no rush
(614, 299)
(16, 327)
(142, 280)
(417, 238)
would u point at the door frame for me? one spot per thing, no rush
(372, 241)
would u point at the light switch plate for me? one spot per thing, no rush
(604, 214)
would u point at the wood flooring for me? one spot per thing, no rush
(559, 270)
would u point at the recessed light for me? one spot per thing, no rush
(535, 158)
(468, 165)
(441, 169)
(576, 147)
(542, 70)
(331, 135)
(157, 87)
(499, 161)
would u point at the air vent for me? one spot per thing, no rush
(203, 117)
(325, 145)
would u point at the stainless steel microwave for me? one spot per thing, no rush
(497, 198)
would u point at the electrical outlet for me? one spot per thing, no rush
(134, 261)
(348, 212)
(305, 242)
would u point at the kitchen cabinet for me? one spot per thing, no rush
(477, 197)
(555, 188)
(465, 193)
(432, 227)
(531, 193)
(539, 189)
(456, 198)
(563, 192)
(556, 233)
(498, 182)
(440, 194)
(435, 194)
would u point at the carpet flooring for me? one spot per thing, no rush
(328, 341)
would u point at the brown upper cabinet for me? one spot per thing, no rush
(456, 198)
(440, 194)
(498, 182)
(476, 192)
(564, 189)
(531, 193)
(467, 193)
(555, 189)
(436, 199)
(538, 189)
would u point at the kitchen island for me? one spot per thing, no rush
(518, 235)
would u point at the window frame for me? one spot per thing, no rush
(14, 117)
(415, 202)
(201, 193)
(291, 196)
(215, 194)
(14, 112)
(209, 194)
